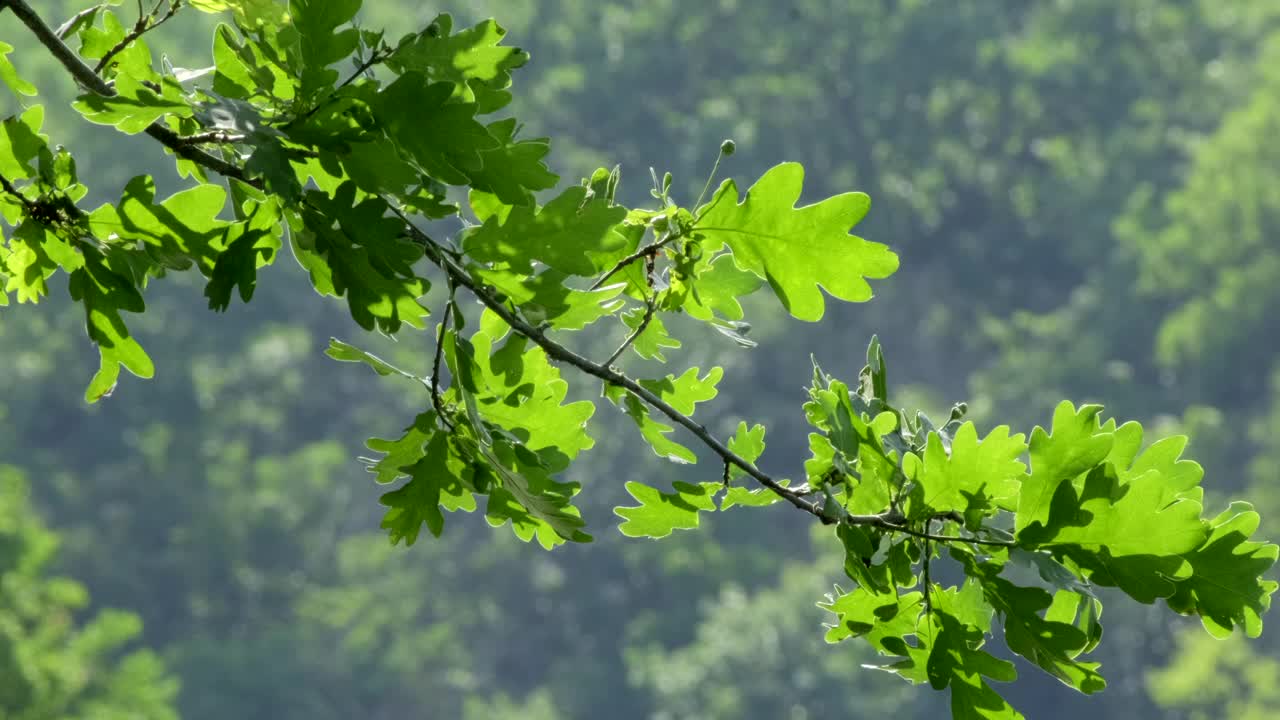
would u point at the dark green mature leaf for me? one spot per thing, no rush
(320, 42)
(571, 234)
(514, 170)
(471, 60)
(456, 139)
(358, 251)
(659, 513)
(956, 629)
(1226, 588)
(796, 249)
(1051, 644)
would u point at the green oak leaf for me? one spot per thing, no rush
(102, 286)
(547, 297)
(682, 393)
(659, 513)
(402, 452)
(716, 290)
(1076, 445)
(1051, 644)
(653, 431)
(358, 251)
(9, 74)
(514, 170)
(797, 250)
(519, 390)
(685, 392)
(948, 482)
(182, 229)
(571, 234)
(133, 108)
(21, 142)
(472, 60)
(955, 637)
(653, 339)
(249, 245)
(536, 505)
(1226, 588)
(747, 443)
(435, 480)
(344, 352)
(32, 255)
(456, 139)
(320, 43)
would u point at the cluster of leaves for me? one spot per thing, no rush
(341, 168)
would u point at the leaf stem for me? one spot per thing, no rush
(435, 369)
(649, 250)
(148, 22)
(649, 307)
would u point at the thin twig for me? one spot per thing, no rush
(928, 525)
(9, 188)
(65, 29)
(435, 370)
(609, 375)
(649, 307)
(881, 522)
(649, 250)
(91, 82)
(374, 59)
(145, 24)
(212, 136)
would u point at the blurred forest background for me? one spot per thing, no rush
(1086, 198)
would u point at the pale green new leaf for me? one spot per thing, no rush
(344, 352)
(989, 468)
(661, 513)
(9, 74)
(570, 234)
(797, 250)
(1076, 445)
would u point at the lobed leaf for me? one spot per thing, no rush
(797, 250)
